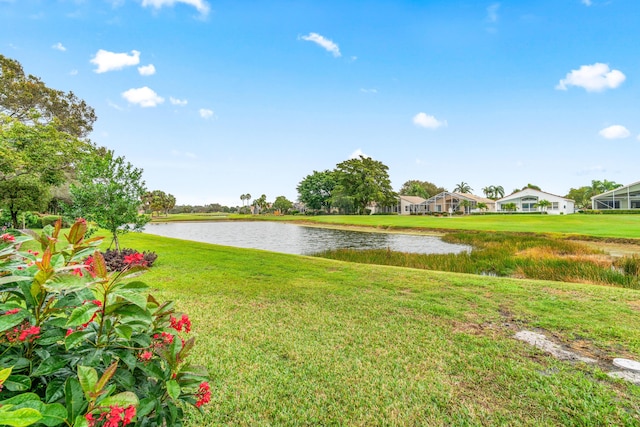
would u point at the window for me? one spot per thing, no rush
(554, 206)
(608, 204)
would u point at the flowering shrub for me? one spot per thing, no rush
(122, 259)
(83, 347)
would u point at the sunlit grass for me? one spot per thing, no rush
(292, 340)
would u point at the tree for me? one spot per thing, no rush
(493, 192)
(510, 207)
(261, 203)
(581, 196)
(364, 180)
(482, 206)
(282, 204)
(465, 204)
(534, 187)
(424, 189)
(463, 187)
(27, 99)
(599, 187)
(543, 205)
(109, 192)
(315, 190)
(34, 158)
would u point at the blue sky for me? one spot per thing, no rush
(214, 99)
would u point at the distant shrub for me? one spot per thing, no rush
(51, 219)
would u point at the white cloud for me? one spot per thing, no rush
(176, 101)
(492, 13)
(615, 132)
(205, 113)
(593, 78)
(59, 46)
(201, 5)
(368, 90)
(356, 154)
(114, 105)
(327, 44)
(147, 70)
(587, 2)
(144, 96)
(426, 121)
(110, 61)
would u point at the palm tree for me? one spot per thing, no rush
(498, 191)
(463, 187)
(465, 204)
(509, 207)
(543, 205)
(482, 206)
(489, 192)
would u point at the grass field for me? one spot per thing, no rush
(293, 340)
(616, 226)
(189, 217)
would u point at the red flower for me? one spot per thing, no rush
(69, 332)
(179, 324)
(203, 395)
(77, 272)
(114, 416)
(90, 420)
(129, 413)
(12, 311)
(136, 258)
(33, 330)
(6, 237)
(145, 356)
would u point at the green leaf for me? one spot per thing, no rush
(147, 405)
(55, 391)
(9, 321)
(20, 398)
(57, 261)
(49, 366)
(88, 378)
(18, 383)
(12, 279)
(132, 314)
(20, 417)
(74, 399)
(173, 389)
(81, 422)
(124, 399)
(4, 374)
(75, 338)
(106, 376)
(51, 336)
(54, 414)
(82, 314)
(124, 331)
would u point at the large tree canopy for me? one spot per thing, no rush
(26, 98)
(315, 190)
(33, 158)
(364, 180)
(109, 192)
(424, 189)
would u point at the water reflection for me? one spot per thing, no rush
(297, 239)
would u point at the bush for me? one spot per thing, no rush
(122, 259)
(51, 219)
(82, 347)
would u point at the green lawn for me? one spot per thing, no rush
(293, 340)
(189, 217)
(622, 226)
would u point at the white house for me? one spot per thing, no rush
(407, 205)
(449, 202)
(627, 197)
(527, 201)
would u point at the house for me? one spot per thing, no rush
(627, 197)
(407, 205)
(449, 202)
(527, 201)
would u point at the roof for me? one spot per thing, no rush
(414, 200)
(517, 194)
(466, 196)
(612, 192)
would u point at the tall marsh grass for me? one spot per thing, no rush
(511, 255)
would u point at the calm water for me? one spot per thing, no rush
(297, 239)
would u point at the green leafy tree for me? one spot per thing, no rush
(463, 187)
(34, 158)
(316, 190)
(109, 192)
(27, 99)
(465, 205)
(282, 204)
(581, 196)
(493, 192)
(424, 189)
(364, 180)
(482, 206)
(534, 187)
(599, 187)
(261, 203)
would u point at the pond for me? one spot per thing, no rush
(298, 239)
